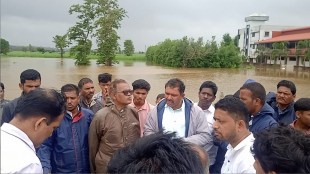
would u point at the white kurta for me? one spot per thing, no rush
(18, 154)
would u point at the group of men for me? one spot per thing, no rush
(117, 130)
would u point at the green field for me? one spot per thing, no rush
(67, 55)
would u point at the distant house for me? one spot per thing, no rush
(291, 37)
(256, 31)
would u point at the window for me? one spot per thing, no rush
(253, 34)
(266, 33)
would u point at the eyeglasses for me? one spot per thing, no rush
(127, 92)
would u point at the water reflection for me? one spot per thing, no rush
(56, 73)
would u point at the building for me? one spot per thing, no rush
(255, 31)
(291, 37)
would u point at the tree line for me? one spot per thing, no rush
(188, 53)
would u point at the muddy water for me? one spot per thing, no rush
(56, 73)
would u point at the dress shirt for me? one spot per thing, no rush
(18, 154)
(239, 159)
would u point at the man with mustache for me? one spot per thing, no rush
(66, 151)
(178, 114)
(283, 102)
(113, 127)
(231, 124)
(87, 91)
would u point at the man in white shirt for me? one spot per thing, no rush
(36, 116)
(231, 123)
(207, 95)
(178, 114)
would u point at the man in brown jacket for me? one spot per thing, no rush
(113, 127)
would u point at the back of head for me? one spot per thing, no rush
(160, 96)
(282, 150)
(235, 107)
(84, 81)
(40, 102)
(141, 84)
(176, 83)
(69, 88)
(104, 77)
(156, 153)
(257, 90)
(302, 104)
(29, 74)
(209, 84)
(288, 84)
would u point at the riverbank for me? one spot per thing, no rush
(37, 54)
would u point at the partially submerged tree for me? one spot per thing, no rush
(129, 49)
(109, 15)
(61, 42)
(82, 31)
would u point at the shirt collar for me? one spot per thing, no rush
(16, 132)
(179, 109)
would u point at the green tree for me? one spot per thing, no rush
(279, 50)
(129, 49)
(303, 50)
(227, 40)
(41, 50)
(30, 48)
(61, 42)
(109, 15)
(82, 31)
(4, 46)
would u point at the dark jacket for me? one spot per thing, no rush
(8, 111)
(263, 119)
(66, 151)
(286, 116)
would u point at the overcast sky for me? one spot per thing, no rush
(35, 22)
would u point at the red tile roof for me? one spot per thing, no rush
(296, 34)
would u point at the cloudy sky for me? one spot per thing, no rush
(35, 22)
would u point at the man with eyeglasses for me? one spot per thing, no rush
(113, 127)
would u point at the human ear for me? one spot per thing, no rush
(39, 123)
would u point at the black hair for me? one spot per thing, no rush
(282, 150)
(38, 102)
(157, 153)
(257, 90)
(235, 107)
(176, 83)
(209, 84)
(104, 77)
(302, 104)
(69, 88)
(83, 81)
(288, 84)
(160, 96)
(2, 85)
(29, 74)
(141, 84)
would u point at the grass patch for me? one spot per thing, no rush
(67, 55)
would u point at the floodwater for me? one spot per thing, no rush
(55, 73)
